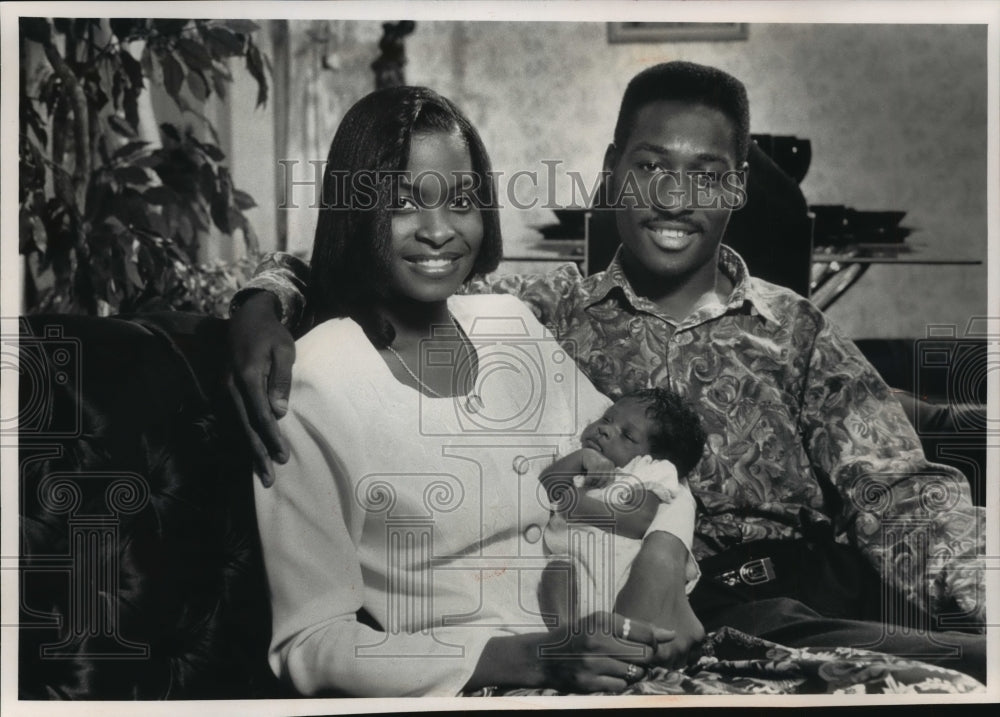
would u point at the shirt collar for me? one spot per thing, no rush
(746, 289)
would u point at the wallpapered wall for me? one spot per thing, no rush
(896, 116)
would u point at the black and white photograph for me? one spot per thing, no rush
(385, 357)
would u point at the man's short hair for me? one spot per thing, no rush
(688, 82)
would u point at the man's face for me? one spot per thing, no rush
(673, 188)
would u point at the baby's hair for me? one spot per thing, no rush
(677, 436)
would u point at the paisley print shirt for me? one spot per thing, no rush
(802, 431)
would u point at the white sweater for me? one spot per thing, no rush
(425, 513)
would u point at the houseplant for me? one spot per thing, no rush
(108, 222)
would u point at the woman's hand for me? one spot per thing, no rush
(262, 352)
(604, 652)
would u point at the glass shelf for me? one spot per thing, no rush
(835, 268)
(909, 253)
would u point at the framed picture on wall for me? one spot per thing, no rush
(675, 31)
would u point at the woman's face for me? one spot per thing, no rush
(436, 227)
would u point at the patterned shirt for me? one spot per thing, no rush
(802, 431)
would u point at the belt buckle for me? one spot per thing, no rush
(757, 571)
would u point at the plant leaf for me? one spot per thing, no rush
(131, 107)
(219, 82)
(117, 85)
(223, 43)
(131, 175)
(132, 68)
(121, 126)
(31, 233)
(243, 200)
(211, 130)
(170, 131)
(206, 181)
(161, 195)
(173, 74)
(256, 67)
(220, 213)
(123, 27)
(158, 225)
(212, 151)
(197, 85)
(115, 225)
(169, 27)
(35, 121)
(128, 150)
(102, 149)
(132, 273)
(241, 26)
(107, 68)
(94, 90)
(250, 239)
(151, 160)
(185, 228)
(194, 54)
(222, 67)
(99, 192)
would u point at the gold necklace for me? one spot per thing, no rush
(474, 404)
(414, 376)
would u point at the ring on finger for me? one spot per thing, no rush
(632, 674)
(626, 628)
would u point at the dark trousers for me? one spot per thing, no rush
(792, 623)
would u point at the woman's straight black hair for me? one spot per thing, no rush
(353, 233)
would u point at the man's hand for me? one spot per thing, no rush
(689, 633)
(262, 352)
(654, 592)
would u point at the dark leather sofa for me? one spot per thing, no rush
(140, 571)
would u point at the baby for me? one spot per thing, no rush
(607, 493)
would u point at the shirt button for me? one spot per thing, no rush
(533, 533)
(521, 465)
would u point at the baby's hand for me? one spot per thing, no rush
(597, 469)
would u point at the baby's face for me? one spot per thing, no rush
(622, 433)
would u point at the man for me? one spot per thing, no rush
(805, 441)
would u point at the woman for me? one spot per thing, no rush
(418, 423)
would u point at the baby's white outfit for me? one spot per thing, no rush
(602, 558)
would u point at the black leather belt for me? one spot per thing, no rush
(834, 579)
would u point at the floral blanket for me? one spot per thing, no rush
(734, 663)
